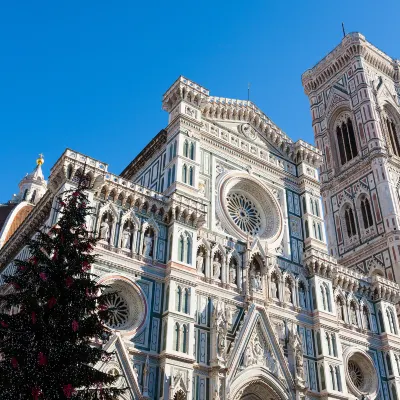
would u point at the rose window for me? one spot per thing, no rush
(127, 305)
(245, 207)
(361, 376)
(244, 213)
(120, 311)
(356, 374)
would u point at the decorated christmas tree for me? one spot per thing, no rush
(52, 316)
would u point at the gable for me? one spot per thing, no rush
(256, 346)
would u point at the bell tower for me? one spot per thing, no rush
(354, 95)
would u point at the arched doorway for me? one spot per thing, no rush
(258, 390)
(257, 383)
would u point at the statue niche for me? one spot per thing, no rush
(200, 260)
(217, 265)
(106, 227)
(127, 236)
(255, 274)
(274, 286)
(148, 243)
(288, 291)
(233, 265)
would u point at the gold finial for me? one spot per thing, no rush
(40, 160)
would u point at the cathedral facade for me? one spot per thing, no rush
(215, 240)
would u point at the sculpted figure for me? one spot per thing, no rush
(126, 238)
(105, 230)
(302, 297)
(299, 364)
(200, 262)
(288, 292)
(148, 245)
(216, 269)
(232, 275)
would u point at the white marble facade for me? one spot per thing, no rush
(214, 237)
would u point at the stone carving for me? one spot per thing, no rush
(126, 238)
(200, 261)
(247, 131)
(232, 275)
(256, 281)
(105, 230)
(192, 113)
(220, 323)
(296, 345)
(274, 287)
(288, 292)
(217, 268)
(259, 352)
(148, 245)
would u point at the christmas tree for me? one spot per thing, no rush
(54, 315)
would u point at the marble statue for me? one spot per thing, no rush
(105, 230)
(200, 262)
(232, 275)
(216, 269)
(126, 238)
(148, 245)
(288, 292)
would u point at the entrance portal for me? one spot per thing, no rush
(259, 390)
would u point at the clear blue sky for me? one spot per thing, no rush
(90, 75)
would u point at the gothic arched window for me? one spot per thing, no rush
(183, 346)
(393, 136)
(173, 174)
(334, 346)
(188, 251)
(316, 208)
(191, 176)
(191, 151)
(328, 342)
(304, 205)
(178, 299)
(389, 364)
(307, 229)
(184, 173)
(181, 248)
(350, 222)
(112, 195)
(186, 301)
(338, 380)
(366, 212)
(186, 148)
(176, 337)
(346, 140)
(333, 377)
(319, 232)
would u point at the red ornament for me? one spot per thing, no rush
(14, 363)
(52, 302)
(55, 255)
(69, 281)
(62, 204)
(36, 392)
(75, 194)
(42, 359)
(76, 242)
(43, 276)
(68, 390)
(22, 268)
(4, 324)
(85, 266)
(75, 325)
(33, 316)
(15, 284)
(103, 307)
(33, 260)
